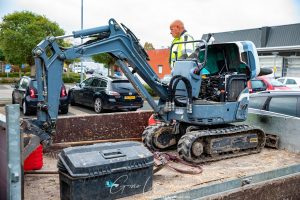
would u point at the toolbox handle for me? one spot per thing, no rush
(112, 153)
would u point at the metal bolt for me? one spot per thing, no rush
(62, 56)
(51, 39)
(38, 52)
(15, 177)
(246, 181)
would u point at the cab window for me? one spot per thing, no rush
(257, 102)
(284, 105)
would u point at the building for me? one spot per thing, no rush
(159, 61)
(278, 46)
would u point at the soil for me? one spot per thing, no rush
(167, 181)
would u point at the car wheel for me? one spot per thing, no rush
(25, 108)
(72, 100)
(64, 110)
(98, 105)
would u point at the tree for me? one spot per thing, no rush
(148, 46)
(20, 32)
(2, 57)
(106, 59)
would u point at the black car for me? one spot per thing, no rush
(282, 102)
(109, 93)
(25, 94)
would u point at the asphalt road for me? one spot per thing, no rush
(79, 110)
(5, 98)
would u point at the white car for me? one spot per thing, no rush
(291, 82)
(78, 69)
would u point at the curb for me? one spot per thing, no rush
(4, 102)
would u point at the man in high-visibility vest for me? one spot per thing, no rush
(180, 35)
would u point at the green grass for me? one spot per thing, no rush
(69, 77)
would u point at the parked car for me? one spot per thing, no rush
(282, 102)
(111, 93)
(291, 82)
(25, 94)
(263, 83)
(256, 85)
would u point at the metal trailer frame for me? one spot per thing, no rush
(275, 184)
(10, 154)
(238, 187)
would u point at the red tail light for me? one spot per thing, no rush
(32, 93)
(63, 92)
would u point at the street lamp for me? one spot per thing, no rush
(81, 73)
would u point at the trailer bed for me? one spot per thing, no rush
(167, 182)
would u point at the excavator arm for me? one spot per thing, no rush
(115, 39)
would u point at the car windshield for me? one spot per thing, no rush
(276, 83)
(34, 83)
(121, 84)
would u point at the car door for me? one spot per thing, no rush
(287, 105)
(77, 91)
(86, 91)
(90, 92)
(102, 89)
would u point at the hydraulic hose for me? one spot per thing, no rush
(174, 86)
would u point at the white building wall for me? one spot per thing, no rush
(292, 64)
(274, 62)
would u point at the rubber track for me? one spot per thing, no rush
(185, 143)
(147, 136)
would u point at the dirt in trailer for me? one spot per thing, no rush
(167, 181)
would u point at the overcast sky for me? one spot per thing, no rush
(150, 20)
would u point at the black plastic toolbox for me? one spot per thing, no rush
(105, 171)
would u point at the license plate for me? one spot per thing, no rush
(129, 97)
(252, 140)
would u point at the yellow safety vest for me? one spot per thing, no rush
(184, 49)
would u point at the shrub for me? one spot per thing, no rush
(14, 74)
(150, 90)
(9, 80)
(71, 77)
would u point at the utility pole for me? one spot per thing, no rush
(81, 73)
